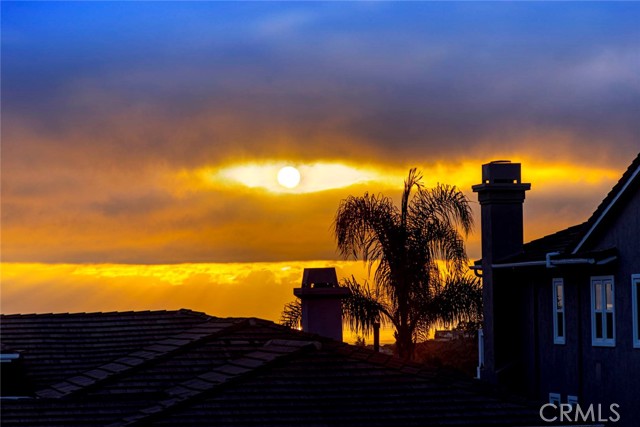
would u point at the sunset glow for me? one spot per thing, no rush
(304, 178)
(228, 290)
(142, 141)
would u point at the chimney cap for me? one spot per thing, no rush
(501, 172)
(320, 278)
(501, 177)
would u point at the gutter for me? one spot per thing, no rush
(549, 262)
(606, 260)
(519, 264)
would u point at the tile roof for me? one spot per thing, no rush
(190, 369)
(58, 346)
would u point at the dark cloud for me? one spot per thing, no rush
(103, 101)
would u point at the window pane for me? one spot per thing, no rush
(598, 295)
(609, 326)
(598, 325)
(637, 288)
(609, 295)
(560, 323)
(559, 296)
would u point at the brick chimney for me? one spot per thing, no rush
(321, 298)
(501, 196)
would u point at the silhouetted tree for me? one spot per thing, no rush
(292, 314)
(418, 254)
(419, 258)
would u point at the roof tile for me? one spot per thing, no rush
(97, 374)
(66, 387)
(114, 367)
(82, 381)
(232, 369)
(198, 384)
(248, 362)
(181, 391)
(215, 377)
(130, 361)
(50, 394)
(158, 348)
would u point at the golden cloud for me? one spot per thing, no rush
(262, 175)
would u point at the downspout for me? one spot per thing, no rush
(536, 341)
(579, 344)
(480, 353)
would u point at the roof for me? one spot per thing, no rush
(187, 368)
(629, 182)
(560, 241)
(573, 240)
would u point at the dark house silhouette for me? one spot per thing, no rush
(561, 318)
(184, 368)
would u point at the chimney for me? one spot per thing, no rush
(321, 298)
(501, 196)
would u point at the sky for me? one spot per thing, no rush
(143, 138)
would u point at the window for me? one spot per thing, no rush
(603, 326)
(635, 304)
(558, 312)
(554, 398)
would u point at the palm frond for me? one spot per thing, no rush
(443, 204)
(363, 307)
(413, 180)
(362, 226)
(459, 301)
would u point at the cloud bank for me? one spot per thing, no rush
(106, 105)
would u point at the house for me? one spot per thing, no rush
(561, 318)
(185, 368)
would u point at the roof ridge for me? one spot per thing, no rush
(111, 313)
(384, 360)
(271, 352)
(141, 357)
(358, 352)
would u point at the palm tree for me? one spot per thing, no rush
(418, 254)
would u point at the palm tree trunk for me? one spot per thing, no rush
(404, 342)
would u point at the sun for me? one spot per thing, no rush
(288, 177)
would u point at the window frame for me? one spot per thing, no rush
(604, 341)
(557, 339)
(635, 310)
